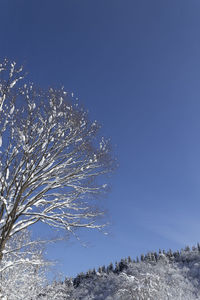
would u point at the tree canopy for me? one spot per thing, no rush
(51, 156)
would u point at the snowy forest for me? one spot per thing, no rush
(154, 276)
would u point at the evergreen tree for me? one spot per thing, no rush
(110, 268)
(129, 259)
(103, 269)
(116, 267)
(156, 256)
(100, 270)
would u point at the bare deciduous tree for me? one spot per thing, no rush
(50, 157)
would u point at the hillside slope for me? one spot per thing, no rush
(156, 276)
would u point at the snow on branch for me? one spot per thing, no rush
(51, 156)
(22, 269)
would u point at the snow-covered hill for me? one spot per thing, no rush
(156, 276)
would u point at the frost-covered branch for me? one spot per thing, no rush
(50, 158)
(9, 75)
(22, 269)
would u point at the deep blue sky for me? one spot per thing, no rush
(135, 64)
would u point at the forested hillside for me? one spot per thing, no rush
(156, 276)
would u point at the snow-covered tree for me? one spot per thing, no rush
(22, 269)
(51, 158)
(58, 291)
(134, 288)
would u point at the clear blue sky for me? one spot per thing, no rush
(135, 64)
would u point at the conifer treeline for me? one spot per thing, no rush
(151, 257)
